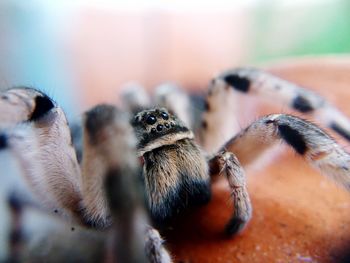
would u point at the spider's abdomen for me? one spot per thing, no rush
(176, 178)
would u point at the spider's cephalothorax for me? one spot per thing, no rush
(175, 170)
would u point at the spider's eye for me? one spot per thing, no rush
(151, 119)
(164, 115)
(159, 127)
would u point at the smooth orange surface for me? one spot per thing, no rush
(299, 216)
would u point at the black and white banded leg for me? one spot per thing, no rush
(308, 140)
(282, 92)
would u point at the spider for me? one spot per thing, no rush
(96, 195)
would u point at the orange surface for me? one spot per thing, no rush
(299, 216)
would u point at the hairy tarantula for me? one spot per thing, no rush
(90, 201)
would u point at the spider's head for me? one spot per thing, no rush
(156, 128)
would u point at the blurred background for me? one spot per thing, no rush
(82, 52)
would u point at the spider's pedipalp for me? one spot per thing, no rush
(227, 163)
(282, 92)
(308, 140)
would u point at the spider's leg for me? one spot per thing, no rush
(124, 197)
(218, 118)
(176, 101)
(41, 141)
(135, 98)
(284, 93)
(30, 233)
(155, 251)
(111, 163)
(10, 234)
(15, 235)
(133, 240)
(227, 163)
(106, 133)
(308, 140)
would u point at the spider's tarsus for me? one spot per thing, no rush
(154, 247)
(235, 226)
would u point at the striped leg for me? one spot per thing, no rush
(282, 92)
(308, 140)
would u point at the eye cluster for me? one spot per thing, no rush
(153, 122)
(159, 120)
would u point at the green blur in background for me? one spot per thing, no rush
(279, 31)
